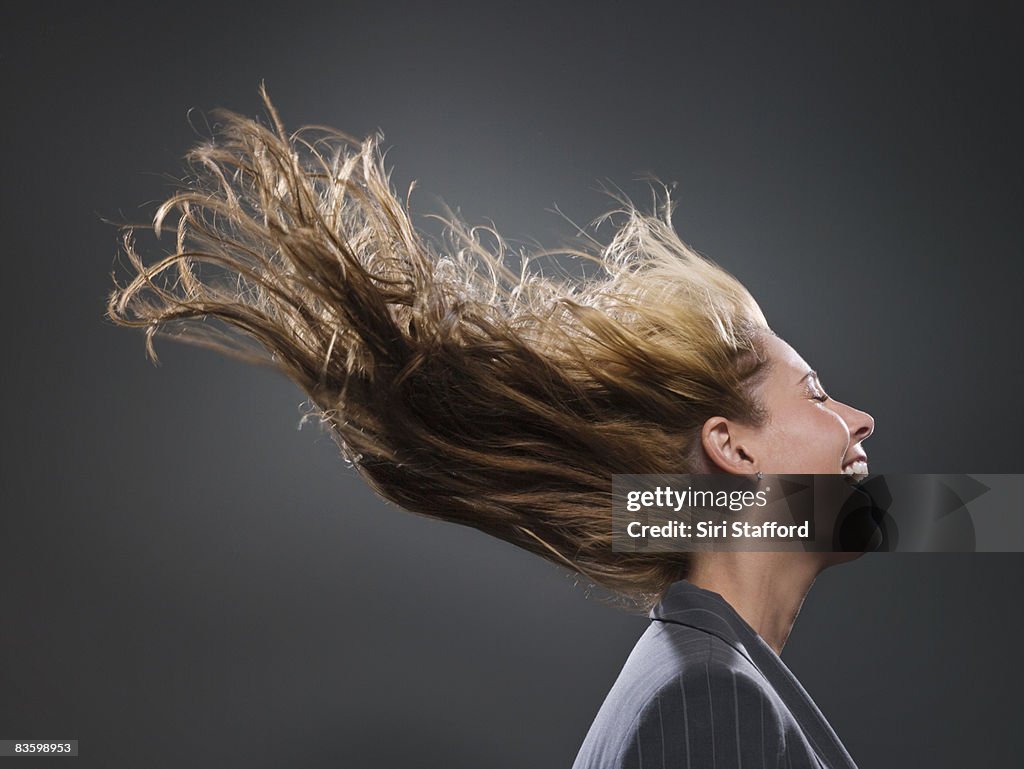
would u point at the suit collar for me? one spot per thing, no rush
(686, 604)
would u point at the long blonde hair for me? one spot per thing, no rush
(457, 387)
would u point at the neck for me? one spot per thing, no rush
(766, 589)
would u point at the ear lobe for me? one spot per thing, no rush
(721, 441)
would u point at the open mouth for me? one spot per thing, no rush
(857, 469)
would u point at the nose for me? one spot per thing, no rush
(861, 424)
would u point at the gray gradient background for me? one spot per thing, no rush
(186, 579)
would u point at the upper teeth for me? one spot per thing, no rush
(858, 467)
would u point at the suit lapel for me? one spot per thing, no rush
(686, 604)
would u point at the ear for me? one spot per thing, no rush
(726, 448)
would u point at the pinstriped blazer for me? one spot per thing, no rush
(702, 690)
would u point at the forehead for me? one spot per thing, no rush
(786, 361)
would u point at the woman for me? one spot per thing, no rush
(505, 400)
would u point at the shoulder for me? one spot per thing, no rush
(688, 698)
(716, 710)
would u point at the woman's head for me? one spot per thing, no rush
(807, 432)
(457, 387)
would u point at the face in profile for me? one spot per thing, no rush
(808, 432)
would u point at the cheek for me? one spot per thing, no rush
(833, 437)
(811, 441)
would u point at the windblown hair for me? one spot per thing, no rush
(458, 388)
